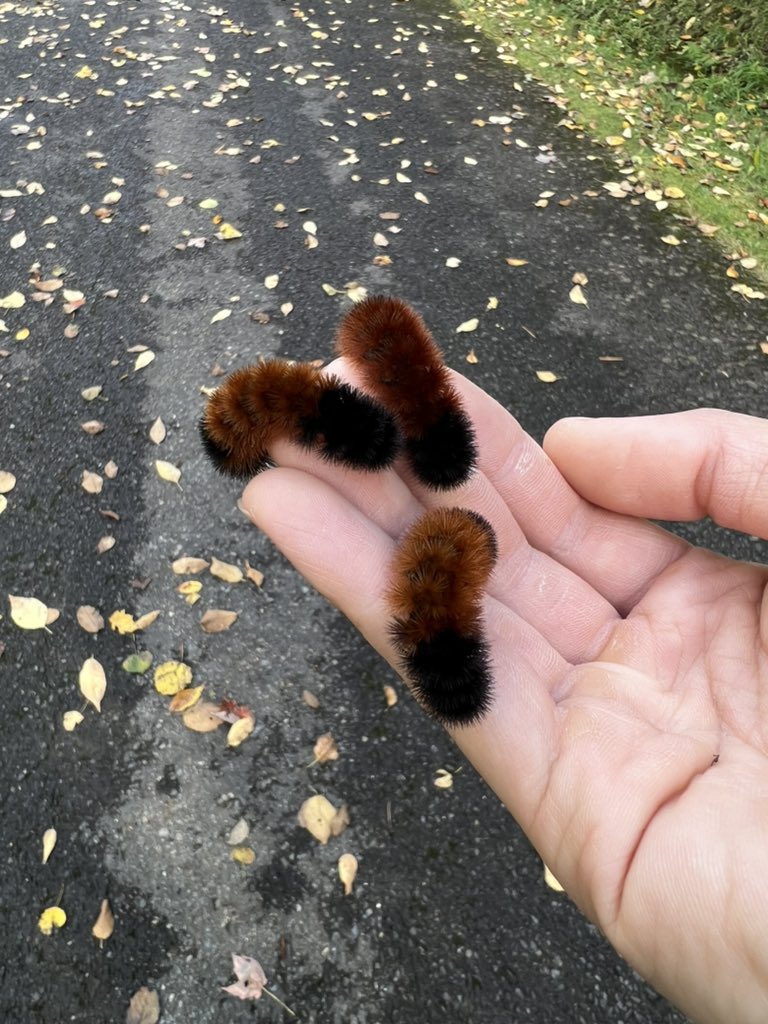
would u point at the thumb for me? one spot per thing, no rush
(680, 466)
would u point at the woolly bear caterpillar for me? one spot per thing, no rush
(274, 399)
(439, 575)
(403, 368)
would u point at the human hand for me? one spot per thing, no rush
(626, 734)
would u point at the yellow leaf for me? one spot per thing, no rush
(239, 731)
(3, 503)
(577, 295)
(614, 140)
(222, 314)
(93, 682)
(172, 676)
(18, 239)
(13, 301)
(167, 471)
(330, 290)
(104, 924)
(143, 359)
(672, 192)
(254, 575)
(471, 357)
(217, 620)
(390, 696)
(444, 779)
(51, 917)
(157, 431)
(208, 204)
(670, 239)
(421, 197)
(315, 815)
(325, 749)
(226, 571)
(516, 263)
(243, 855)
(185, 699)
(546, 376)
(49, 841)
(468, 325)
(189, 587)
(28, 612)
(71, 719)
(7, 481)
(347, 871)
(228, 232)
(551, 881)
(90, 393)
(84, 72)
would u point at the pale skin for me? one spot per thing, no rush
(629, 730)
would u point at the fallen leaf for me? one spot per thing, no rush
(144, 1007)
(670, 239)
(516, 263)
(51, 917)
(137, 663)
(28, 612)
(7, 481)
(546, 376)
(471, 357)
(239, 833)
(167, 471)
(310, 699)
(90, 393)
(202, 717)
(347, 871)
(325, 749)
(143, 359)
(19, 239)
(89, 618)
(468, 325)
(157, 431)
(421, 197)
(92, 427)
(104, 924)
(240, 730)
(71, 719)
(243, 855)
(390, 696)
(123, 622)
(49, 841)
(551, 881)
(13, 301)
(172, 676)
(227, 232)
(226, 571)
(271, 281)
(251, 979)
(321, 819)
(93, 682)
(444, 779)
(217, 620)
(92, 483)
(254, 575)
(185, 699)
(222, 314)
(105, 544)
(577, 295)
(187, 565)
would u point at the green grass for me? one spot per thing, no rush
(681, 105)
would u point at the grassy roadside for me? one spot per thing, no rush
(696, 144)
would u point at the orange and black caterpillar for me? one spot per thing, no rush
(274, 399)
(402, 367)
(439, 575)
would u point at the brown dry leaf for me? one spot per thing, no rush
(226, 571)
(53, 614)
(471, 357)
(49, 841)
(347, 871)
(7, 481)
(144, 1007)
(147, 619)
(105, 543)
(390, 696)
(157, 431)
(254, 575)
(240, 730)
(189, 566)
(185, 699)
(310, 699)
(93, 682)
(316, 815)
(325, 749)
(202, 717)
(217, 620)
(92, 427)
(104, 924)
(91, 482)
(89, 618)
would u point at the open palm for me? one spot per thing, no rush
(627, 734)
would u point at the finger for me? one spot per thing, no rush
(618, 557)
(680, 466)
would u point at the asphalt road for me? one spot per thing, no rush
(332, 114)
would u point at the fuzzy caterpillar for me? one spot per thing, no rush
(402, 367)
(274, 399)
(439, 575)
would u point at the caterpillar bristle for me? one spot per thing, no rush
(439, 576)
(259, 404)
(400, 364)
